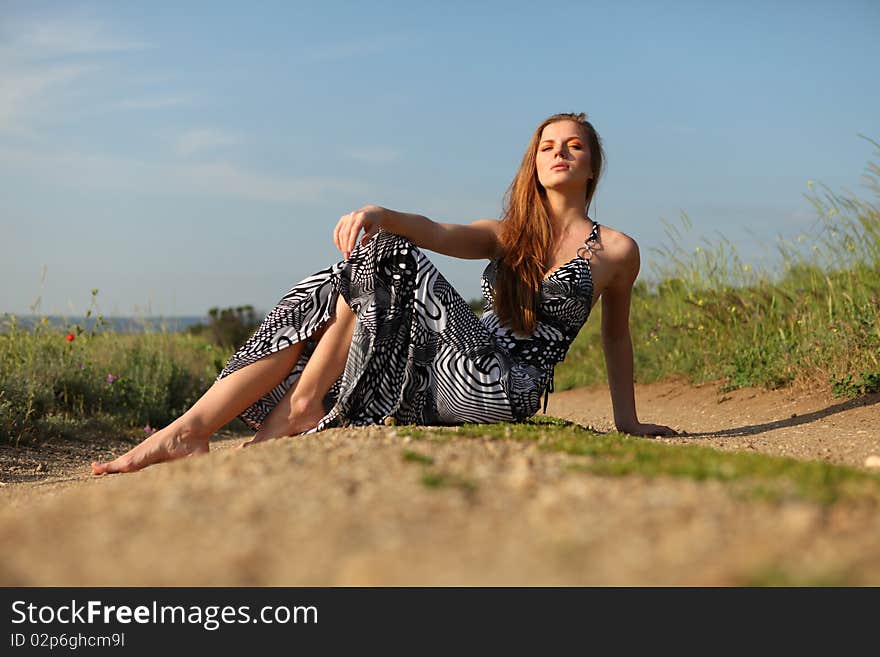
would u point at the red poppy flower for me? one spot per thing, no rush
(70, 337)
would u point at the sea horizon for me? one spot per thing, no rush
(117, 323)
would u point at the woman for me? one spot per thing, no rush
(382, 334)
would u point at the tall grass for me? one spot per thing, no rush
(76, 383)
(713, 317)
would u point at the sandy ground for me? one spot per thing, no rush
(796, 423)
(345, 508)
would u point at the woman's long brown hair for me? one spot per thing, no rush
(526, 231)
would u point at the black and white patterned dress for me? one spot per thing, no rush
(419, 353)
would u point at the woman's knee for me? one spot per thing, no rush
(342, 313)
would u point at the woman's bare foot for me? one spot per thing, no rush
(166, 445)
(306, 419)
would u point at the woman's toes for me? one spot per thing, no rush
(111, 467)
(117, 465)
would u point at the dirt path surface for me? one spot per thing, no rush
(795, 423)
(351, 507)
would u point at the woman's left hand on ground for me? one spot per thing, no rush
(643, 429)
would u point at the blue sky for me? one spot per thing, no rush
(179, 156)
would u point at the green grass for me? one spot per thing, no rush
(99, 382)
(439, 479)
(747, 474)
(416, 457)
(434, 477)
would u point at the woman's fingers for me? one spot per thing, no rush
(340, 240)
(353, 233)
(341, 234)
(337, 232)
(345, 235)
(349, 226)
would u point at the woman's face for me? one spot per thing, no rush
(563, 157)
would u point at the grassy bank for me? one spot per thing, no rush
(714, 316)
(75, 384)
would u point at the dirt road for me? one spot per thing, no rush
(348, 507)
(796, 423)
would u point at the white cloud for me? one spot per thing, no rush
(229, 180)
(22, 91)
(59, 37)
(158, 102)
(197, 141)
(52, 62)
(215, 180)
(40, 57)
(375, 155)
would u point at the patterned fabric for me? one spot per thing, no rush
(419, 353)
(566, 301)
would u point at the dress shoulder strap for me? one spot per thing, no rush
(586, 251)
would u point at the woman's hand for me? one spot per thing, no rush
(369, 218)
(642, 429)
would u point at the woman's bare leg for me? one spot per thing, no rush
(223, 402)
(302, 407)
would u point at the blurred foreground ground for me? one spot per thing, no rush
(348, 507)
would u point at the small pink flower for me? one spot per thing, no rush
(149, 430)
(111, 378)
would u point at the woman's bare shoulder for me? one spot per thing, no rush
(617, 244)
(622, 252)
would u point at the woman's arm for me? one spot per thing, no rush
(478, 239)
(617, 342)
